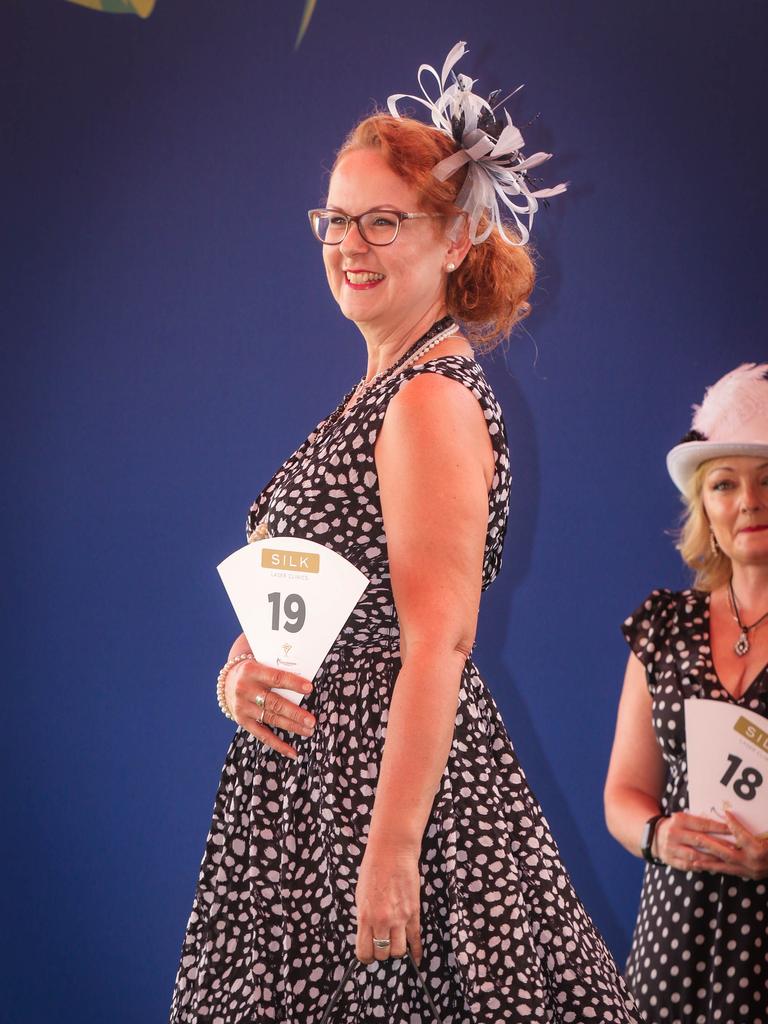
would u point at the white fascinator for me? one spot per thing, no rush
(498, 175)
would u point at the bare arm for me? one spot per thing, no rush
(435, 505)
(635, 783)
(435, 463)
(636, 772)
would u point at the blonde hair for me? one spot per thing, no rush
(694, 542)
(489, 291)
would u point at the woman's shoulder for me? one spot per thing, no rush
(459, 367)
(666, 596)
(427, 395)
(663, 614)
(436, 380)
(663, 602)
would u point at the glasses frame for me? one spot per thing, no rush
(350, 220)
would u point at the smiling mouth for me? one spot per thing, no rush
(754, 529)
(362, 277)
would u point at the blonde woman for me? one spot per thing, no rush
(700, 947)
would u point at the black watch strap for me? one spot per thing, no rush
(647, 841)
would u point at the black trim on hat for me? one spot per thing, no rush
(693, 435)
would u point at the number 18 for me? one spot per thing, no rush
(747, 784)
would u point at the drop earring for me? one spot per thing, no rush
(714, 547)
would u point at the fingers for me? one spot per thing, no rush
(258, 709)
(713, 865)
(271, 712)
(278, 679)
(399, 945)
(717, 847)
(681, 838)
(413, 938)
(696, 823)
(364, 945)
(280, 713)
(269, 739)
(382, 943)
(252, 676)
(253, 716)
(740, 832)
(679, 847)
(688, 842)
(752, 850)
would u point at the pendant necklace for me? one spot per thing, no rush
(741, 647)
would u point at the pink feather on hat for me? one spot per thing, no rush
(734, 400)
(731, 420)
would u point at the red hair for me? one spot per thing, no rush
(489, 291)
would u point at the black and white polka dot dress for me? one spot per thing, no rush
(700, 949)
(272, 927)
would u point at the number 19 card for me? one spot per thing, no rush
(727, 762)
(292, 597)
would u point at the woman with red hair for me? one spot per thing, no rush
(388, 814)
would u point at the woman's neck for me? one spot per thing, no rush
(750, 585)
(388, 344)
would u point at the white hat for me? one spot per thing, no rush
(731, 420)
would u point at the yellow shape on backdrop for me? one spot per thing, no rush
(141, 7)
(309, 9)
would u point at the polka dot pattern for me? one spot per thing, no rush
(699, 952)
(273, 922)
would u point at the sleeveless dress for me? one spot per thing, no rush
(699, 953)
(272, 927)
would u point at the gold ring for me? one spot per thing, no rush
(260, 699)
(260, 719)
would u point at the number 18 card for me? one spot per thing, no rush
(727, 762)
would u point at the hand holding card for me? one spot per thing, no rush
(292, 597)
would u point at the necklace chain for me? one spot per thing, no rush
(741, 647)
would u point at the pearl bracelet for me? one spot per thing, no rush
(222, 678)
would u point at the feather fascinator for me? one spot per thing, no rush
(498, 182)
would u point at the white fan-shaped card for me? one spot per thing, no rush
(727, 753)
(292, 597)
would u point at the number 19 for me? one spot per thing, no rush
(294, 609)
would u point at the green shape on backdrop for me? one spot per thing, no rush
(145, 7)
(141, 7)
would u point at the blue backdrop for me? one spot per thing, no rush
(168, 339)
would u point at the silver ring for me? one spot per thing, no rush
(260, 719)
(260, 699)
(381, 943)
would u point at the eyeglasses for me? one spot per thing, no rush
(377, 227)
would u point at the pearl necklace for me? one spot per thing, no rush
(364, 384)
